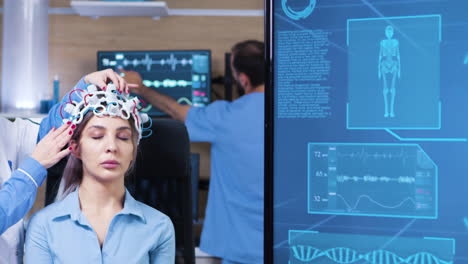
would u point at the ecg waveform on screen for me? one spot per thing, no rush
(309, 254)
(365, 155)
(172, 61)
(391, 180)
(371, 178)
(352, 208)
(167, 83)
(184, 100)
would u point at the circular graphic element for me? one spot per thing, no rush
(296, 15)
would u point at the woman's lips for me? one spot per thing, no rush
(110, 164)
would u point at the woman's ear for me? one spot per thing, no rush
(73, 145)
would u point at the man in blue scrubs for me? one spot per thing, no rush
(233, 226)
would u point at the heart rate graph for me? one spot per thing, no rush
(163, 61)
(167, 83)
(370, 178)
(385, 180)
(310, 247)
(184, 75)
(148, 62)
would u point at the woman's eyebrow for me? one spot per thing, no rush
(96, 127)
(101, 127)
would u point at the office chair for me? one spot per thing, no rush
(161, 179)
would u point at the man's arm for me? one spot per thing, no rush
(165, 103)
(162, 102)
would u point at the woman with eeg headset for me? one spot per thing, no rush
(95, 219)
(23, 169)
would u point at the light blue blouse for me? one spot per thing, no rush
(60, 233)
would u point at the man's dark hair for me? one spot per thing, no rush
(249, 59)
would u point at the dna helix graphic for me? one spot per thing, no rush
(309, 254)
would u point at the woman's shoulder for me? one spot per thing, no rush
(151, 213)
(156, 218)
(67, 206)
(46, 214)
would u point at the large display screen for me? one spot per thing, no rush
(185, 75)
(368, 118)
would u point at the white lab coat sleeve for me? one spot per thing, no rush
(27, 137)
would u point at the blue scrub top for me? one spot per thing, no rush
(233, 226)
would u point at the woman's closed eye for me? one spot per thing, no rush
(123, 136)
(97, 137)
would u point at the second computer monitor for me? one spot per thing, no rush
(184, 75)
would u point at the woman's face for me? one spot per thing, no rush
(106, 148)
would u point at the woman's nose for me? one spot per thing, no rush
(111, 145)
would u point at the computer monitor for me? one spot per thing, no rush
(366, 142)
(184, 75)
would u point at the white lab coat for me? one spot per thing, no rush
(17, 142)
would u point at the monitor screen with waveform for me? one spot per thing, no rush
(184, 75)
(372, 180)
(366, 138)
